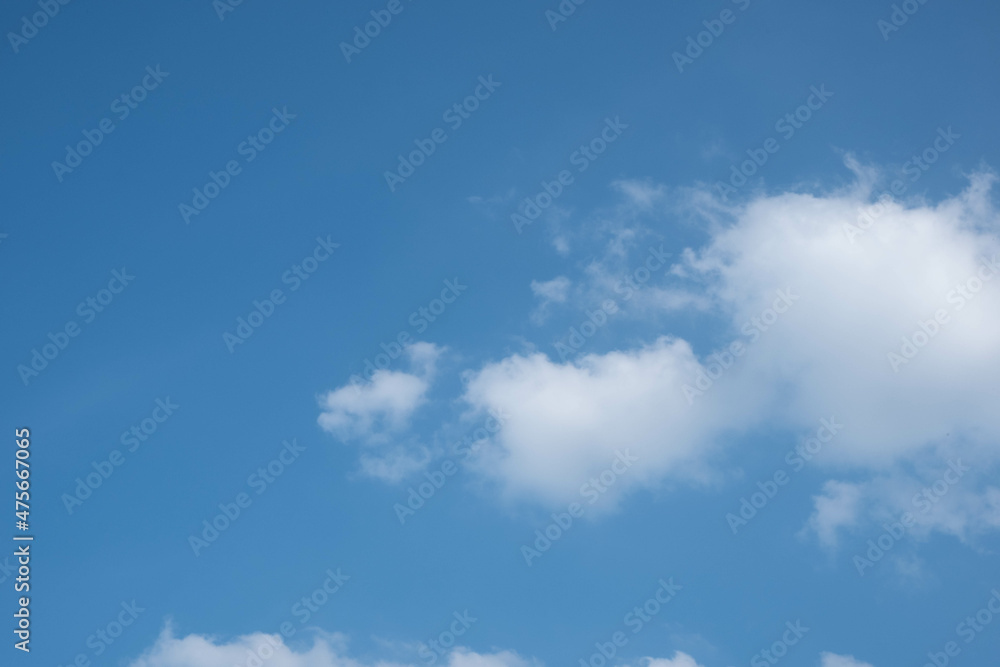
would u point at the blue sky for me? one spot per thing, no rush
(548, 286)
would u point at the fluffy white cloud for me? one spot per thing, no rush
(270, 650)
(680, 659)
(360, 410)
(858, 301)
(566, 422)
(834, 660)
(883, 318)
(378, 414)
(385, 405)
(331, 650)
(200, 651)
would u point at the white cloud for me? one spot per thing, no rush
(396, 463)
(937, 497)
(423, 358)
(200, 651)
(465, 658)
(548, 292)
(834, 660)
(639, 193)
(331, 650)
(680, 659)
(566, 421)
(551, 290)
(377, 413)
(357, 411)
(836, 508)
(858, 288)
(270, 650)
(827, 356)
(360, 410)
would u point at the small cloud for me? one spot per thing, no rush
(561, 244)
(548, 292)
(639, 193)
(679, 660)
(397, 464)
(834, 660)
(370, 412)
(836, 508)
